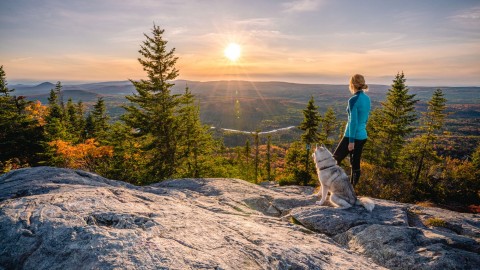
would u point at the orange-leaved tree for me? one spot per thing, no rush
(37, 111)
(84, 156)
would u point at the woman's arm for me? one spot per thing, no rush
(353, 122)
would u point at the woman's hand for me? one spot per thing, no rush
(351, 146)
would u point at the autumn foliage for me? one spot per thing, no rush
(82, 155)
(36, 111)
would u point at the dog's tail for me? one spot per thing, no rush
(365, 202)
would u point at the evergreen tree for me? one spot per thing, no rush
(56, 110)
(127, 162)
(20, 135)
(152, 112)
(97, 120)
(56, 127)
(100, 115)
(329, 126)
(195, 140)
(8, 109)
(419, 154)
(373, 147)
(397, 116)
(310, 124)
(71, 114)
(75, 121)
(247, 150)
(4, 90)
(81, 124)
(256, 140)
(433, 121)
(268, 165)
(295, 170)
(89, 126)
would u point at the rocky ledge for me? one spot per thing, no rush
(54, 218)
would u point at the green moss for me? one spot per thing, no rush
(436, 222)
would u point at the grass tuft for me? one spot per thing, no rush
(436, 222)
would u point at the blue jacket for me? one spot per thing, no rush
(358, 110)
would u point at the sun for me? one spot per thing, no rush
(232, 52)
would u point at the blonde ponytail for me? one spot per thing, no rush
(357, 82)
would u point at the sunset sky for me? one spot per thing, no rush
(435, 42)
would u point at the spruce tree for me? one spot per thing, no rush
(310, 125)
(434, 119)
(128, 160)
(247, 150)
(398, 115)
(329, 126)
(81, 125)
(268, 165)
(151, 114)
(4, 90)
(20, 135)
(373, 146)
(97, 120)
(194, 139)
(8, 109)
(75, 121)
(8, 117)
(71, 113)
(100, 115)
(256, 140)
(56, 125)
(295, 161)
(432, 123)
(56, 109)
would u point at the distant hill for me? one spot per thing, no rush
(106, 88)
(26, 90)
(75, 95)
(247, 89)
(248, 106)
(245, 105)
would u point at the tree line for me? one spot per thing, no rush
(160, 136)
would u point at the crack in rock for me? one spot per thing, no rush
(119, 221)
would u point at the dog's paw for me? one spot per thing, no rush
(319, 203)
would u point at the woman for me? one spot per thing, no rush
(355, 134)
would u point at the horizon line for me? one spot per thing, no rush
(33, 83)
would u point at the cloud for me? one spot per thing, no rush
(468, 18)
(255, 22)
(21, 59)
(301, 5)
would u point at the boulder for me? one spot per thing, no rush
(53, 218)
(62, 219)
(400, 236)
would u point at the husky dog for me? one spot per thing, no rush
(334, 179)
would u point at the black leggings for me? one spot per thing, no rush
(342, 151)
